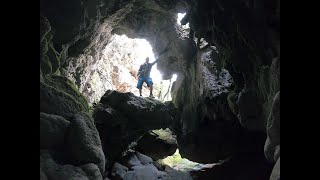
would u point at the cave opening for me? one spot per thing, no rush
(118, 68)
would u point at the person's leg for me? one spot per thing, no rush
(150, 85)
(139, 85)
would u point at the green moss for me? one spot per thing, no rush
(165, 134)
(54, 58)
(69, 87)
(45, 65)
(43, 47)
(41, 76)
(58, 95)
(176, 161)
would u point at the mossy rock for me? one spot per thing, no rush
(44, 27)
(45, 65)
(54, 58)
(83, 142)
(59, 96)
(43, 47)
(41, 75)
(52, 130)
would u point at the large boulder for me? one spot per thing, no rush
(52, 130)
(145, 113)
(157, 144)
(122, 118)
(83, 142)
(49, 169)
(59, 96)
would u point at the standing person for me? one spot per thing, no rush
(144, 76)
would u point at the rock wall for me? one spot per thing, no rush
(246, 35)
(212, 105)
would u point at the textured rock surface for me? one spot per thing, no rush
(275, 175)
(49, 169)
(272, 145)
(83, 142)
(122, 118)
(251, 55)
(52, 130)
(66, 127)
(158, 144)
(59, 96)
(142, 168)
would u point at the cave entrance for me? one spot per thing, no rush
(118, 68)
(180, 16)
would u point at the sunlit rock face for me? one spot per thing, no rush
(86, 59)
(117, 70)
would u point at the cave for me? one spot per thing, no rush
(215, 113)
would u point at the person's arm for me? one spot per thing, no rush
(139, 71)
(156, 61)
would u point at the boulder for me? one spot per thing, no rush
(122, 118)
(52, 130)
(83, 143)
(59, 96)
(158, 144)
(49, 169)
(142, 168)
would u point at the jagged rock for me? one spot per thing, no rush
(122, 118)
(52, 130)
(49, 169)
(157, 145)
(275, 175)
(83, 143)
